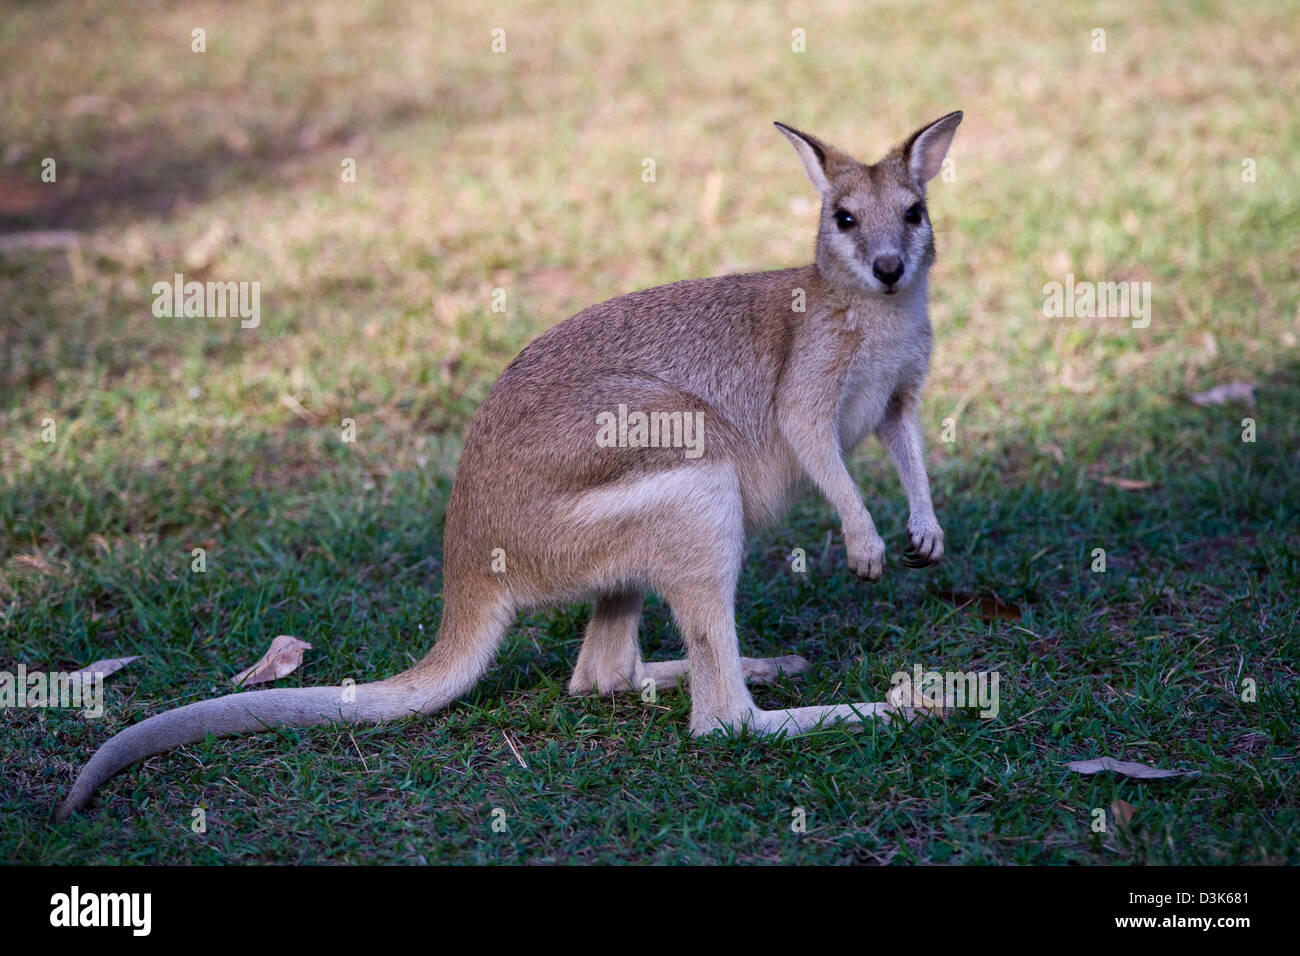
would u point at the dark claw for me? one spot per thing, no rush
(912, 559)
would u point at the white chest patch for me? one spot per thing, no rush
(874, 375)
(872, 379)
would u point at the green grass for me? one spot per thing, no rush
(522, 171)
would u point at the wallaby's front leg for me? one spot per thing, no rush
(863, 544)
(818, 450)
(900, 432)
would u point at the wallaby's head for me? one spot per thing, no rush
(875, 233)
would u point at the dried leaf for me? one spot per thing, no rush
(1053, 449)
(291, 403)
(1123, 812)
(1129, 768)
(913, 704)
(1227, 392)
(989, 607)
(282, 659)
(1097, 473)
(202, 251)
(103, 668)
(1127, 484)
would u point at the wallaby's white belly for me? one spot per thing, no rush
(894, 353)
(872, 379)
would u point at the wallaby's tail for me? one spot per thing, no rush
(450, 669)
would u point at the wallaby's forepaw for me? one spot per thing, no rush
(867, 557)
(927, 546)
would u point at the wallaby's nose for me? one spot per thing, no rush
(888, 269)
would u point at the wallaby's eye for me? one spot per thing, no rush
(913, 214)
(844, 219)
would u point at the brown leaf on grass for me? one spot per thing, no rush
(202, 251)
(914, 704)
(989, 607)
(1129, 768)
(281, 659)
(1227, 392)
(295, 406)
(104, 668)
(1123, 812)
(1127, 484)
(1095, 472)
(32, 562)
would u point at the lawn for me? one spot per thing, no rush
(1170, 157)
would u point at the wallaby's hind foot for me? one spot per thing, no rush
(668, 675)
(755, 670)
(610, 658)
(800, 720)
(767, 670)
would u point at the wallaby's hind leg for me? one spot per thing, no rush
(689, 541)
(719, 698)
(681, 532)
(756, 670)
(801, 720)
(767, 670)
(700, 587)
(704, 606)
(610, 659)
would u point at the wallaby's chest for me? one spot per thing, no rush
(881, 365)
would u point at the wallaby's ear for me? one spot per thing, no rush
(816, 155)
(925, 149)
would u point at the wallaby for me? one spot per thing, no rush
(633, 446)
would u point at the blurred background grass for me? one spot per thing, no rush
(522, 171)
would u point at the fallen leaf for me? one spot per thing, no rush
(1053, 449)
(913, 705)
(989, 607)
(1129, 768)
(1127, 484)
(103, 668)
(33, 561)
(291, 403)
(282, 658)
(201, 252)
(1123, 812)
(1096, 472)
(1227, 392)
